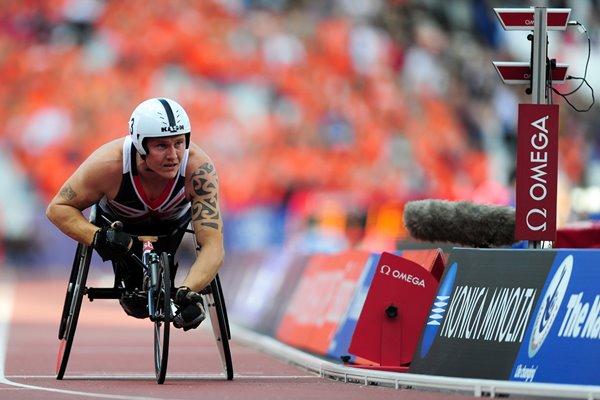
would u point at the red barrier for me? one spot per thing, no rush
(580, 236)
(433, 261)
(321, 299)
(396, 308)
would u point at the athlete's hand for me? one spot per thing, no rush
(190, 311)
(110, 241)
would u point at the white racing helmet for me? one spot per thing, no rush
(158, 117)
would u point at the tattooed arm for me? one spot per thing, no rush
(85, 187)
(208, 225)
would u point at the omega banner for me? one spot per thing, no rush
(519, 315)
(537, 165)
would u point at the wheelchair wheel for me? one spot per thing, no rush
(72, 306)
(161, 295)
(218, 282)
(220, 325)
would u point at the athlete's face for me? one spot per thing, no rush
(165, 154)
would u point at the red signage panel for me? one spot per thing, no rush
(537, 171)
(320, 300)
(519, 19)
(515, 72)
(394, 312)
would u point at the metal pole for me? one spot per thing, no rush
(538, 62)
(538, 66)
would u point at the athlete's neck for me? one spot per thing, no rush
(152, 182)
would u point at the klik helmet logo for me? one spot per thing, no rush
(550, 305)
(438, 310)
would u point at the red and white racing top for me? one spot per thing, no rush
(132, 206)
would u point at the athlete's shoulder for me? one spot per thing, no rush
(197, 158)
(106, 158)
(111, 149)
(100, 171)
(200, 173)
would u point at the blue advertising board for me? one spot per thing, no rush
(260, 286)
(341, 341)
(562, 342)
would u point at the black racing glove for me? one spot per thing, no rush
(190, 309)
(110, 241)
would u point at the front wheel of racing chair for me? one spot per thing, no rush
(160, 293)
(73, 300)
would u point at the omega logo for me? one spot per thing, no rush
(413, 280)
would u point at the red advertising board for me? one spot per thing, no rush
(537, 166)
(320, 300)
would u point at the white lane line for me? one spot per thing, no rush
(175, 377)
(6, 310)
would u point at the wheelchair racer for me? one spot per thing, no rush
(155, 181)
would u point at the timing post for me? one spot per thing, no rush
(537, 141)
(539, 56)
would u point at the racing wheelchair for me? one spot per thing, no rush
(159, 291)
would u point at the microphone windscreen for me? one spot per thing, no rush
(464, 223)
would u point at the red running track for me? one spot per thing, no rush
(112, 357)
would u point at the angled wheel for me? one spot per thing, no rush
(72, 306)
(220, 325)
(161, 295)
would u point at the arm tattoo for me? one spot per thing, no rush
(67, 192)
(205, 205)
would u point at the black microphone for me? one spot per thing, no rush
(464, 223)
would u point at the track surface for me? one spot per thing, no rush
(112, 357)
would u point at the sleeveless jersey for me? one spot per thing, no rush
(139, 214)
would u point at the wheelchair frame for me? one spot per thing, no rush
(158, 268)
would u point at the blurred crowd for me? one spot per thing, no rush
(333, 113)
